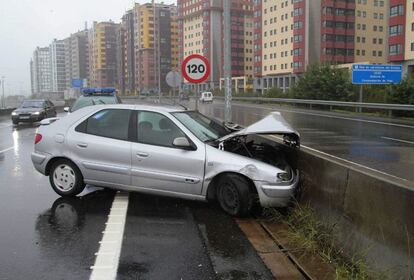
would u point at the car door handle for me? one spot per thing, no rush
(82, 145)
(142, 154)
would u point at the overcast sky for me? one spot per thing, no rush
(26, 24)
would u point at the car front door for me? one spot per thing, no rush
(157, 164)
(100, 146)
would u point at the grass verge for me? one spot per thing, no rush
(315, 236)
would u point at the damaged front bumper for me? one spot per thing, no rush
(277, 195)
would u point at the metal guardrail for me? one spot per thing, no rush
(381, 106)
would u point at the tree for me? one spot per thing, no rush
(324, 82)
(403, 93)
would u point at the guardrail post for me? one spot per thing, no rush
(360, 98)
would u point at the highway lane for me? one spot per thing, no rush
(375, 143)
(40, 237)
(44, 236)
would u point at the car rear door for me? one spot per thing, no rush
(157, 164)
(100, 146)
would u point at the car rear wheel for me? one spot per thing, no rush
(65, 178)
(234, 195)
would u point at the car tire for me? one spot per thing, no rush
(234, 196)
(66, 178)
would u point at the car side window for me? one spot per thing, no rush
(157, 129)
(110, 123)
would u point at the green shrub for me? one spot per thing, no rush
(323, 82)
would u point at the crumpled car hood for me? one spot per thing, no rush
(273, 123)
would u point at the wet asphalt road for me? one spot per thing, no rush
(384, 145)
(43, 236)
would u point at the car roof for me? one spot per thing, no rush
(37, 100)
(148, 107)
(97, 96)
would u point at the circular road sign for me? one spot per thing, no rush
(173, 79)
(195, 68)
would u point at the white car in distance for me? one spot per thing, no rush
(206, 97)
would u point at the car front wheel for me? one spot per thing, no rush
(65, 178)
(234, 195)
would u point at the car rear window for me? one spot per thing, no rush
(110, 123)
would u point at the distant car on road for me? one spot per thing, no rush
(94, 96)
(168, 151)
(34, 110)
(206, 97)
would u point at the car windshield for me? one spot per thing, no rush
(92, 100)
(32, 104)
(202, 127)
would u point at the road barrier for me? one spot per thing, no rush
(5, 112)
(372, 211)
(331, 104)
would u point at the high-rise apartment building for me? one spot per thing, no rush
(409, 39)
(155, 45)
(126, 54)
(401, 34)
(201, 32)
(102, 54)
(57, 64)
(77, 57)
(41, 76)
(290, 35)
(371, 32)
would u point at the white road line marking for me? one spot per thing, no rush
(107, 258)
(398, 140)
(5, 150)
(327, 116)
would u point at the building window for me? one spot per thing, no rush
(395, 49)
(396, 30)
(396, 10)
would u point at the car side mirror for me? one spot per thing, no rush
(66, 109)
(183, 143)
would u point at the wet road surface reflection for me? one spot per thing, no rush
(167, 238)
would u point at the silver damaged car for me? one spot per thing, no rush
(169, 151)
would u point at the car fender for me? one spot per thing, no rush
(220, 162)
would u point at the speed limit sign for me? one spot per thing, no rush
(195, 68)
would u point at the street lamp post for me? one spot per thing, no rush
(227, 61)
(3, 103)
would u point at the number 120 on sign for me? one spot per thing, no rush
(195, 69)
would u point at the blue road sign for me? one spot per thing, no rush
(77, 83)
(376, 74)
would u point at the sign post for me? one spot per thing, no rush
(173, 79)
(375, 74)
(195, 69)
